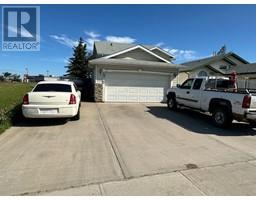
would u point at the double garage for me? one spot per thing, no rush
(135, 86)
(129, 80)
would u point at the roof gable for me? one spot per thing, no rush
(161, 51)
(230, 58)
(142, 48)
(106, 48)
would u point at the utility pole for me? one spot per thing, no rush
(26, 69)
(25, 78)
(47, 73)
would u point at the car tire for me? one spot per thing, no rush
(171, 103)
(252, 123)
(77, 117)
(222, 117)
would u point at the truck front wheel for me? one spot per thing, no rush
(171, 103)
(221, 117)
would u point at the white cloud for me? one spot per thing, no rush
(23, 33)
(181, 55)
(124, 39)
(159, 44)
(65, 40)
(90, 38)
(92, 34)
(90, 42)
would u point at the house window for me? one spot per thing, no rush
(223, 67)
(202, 73)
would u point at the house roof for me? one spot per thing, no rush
(105, 48)
(162, 50)
(131, 62)
(138, 47)
(207, 61)
(243, 69)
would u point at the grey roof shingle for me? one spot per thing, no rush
(104, 48)
(207, 61)
(204, 61)
(132, 62)
(243, 69)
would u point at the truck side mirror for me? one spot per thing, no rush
(178, 85)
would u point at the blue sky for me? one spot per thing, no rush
(188, 31)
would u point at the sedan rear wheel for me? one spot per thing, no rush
(77, 117)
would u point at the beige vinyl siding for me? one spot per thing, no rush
(139, 54)
(193, 74)
(161, 54)
(100, 75)
(180, 78)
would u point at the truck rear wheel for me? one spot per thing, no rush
(221, 117)
(171, 103)
(252, 123)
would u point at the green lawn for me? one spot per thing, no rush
(11, 95)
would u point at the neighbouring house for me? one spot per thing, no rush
(32, 79)
(35, 79)
(217, 65)
(51, 78)
(246, 75)
(131, 72)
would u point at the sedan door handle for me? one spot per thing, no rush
(188, 92)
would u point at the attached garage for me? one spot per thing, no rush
(131, 73)
(136, 87)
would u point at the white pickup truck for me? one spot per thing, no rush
(216, 96)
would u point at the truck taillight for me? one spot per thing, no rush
(72, 99)
(25, 99)
(246, 101)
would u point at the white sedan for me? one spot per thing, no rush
(55, 99)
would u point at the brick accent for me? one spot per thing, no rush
(98, 92)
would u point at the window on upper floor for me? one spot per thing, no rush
(202, 73)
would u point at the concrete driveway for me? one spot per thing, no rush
(128, 149)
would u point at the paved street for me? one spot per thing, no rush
(128, 149)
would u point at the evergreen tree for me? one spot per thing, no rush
(78, 63)
(7, 74)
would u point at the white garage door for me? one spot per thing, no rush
(135, 87)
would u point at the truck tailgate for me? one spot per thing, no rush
(253, 102)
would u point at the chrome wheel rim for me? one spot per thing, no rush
(170, 103)
(219, 117)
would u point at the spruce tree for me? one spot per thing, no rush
(78, 63)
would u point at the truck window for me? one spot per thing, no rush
(187, 84)
(225, 84)
(219, 84)
(211, 84)
(197, 84)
